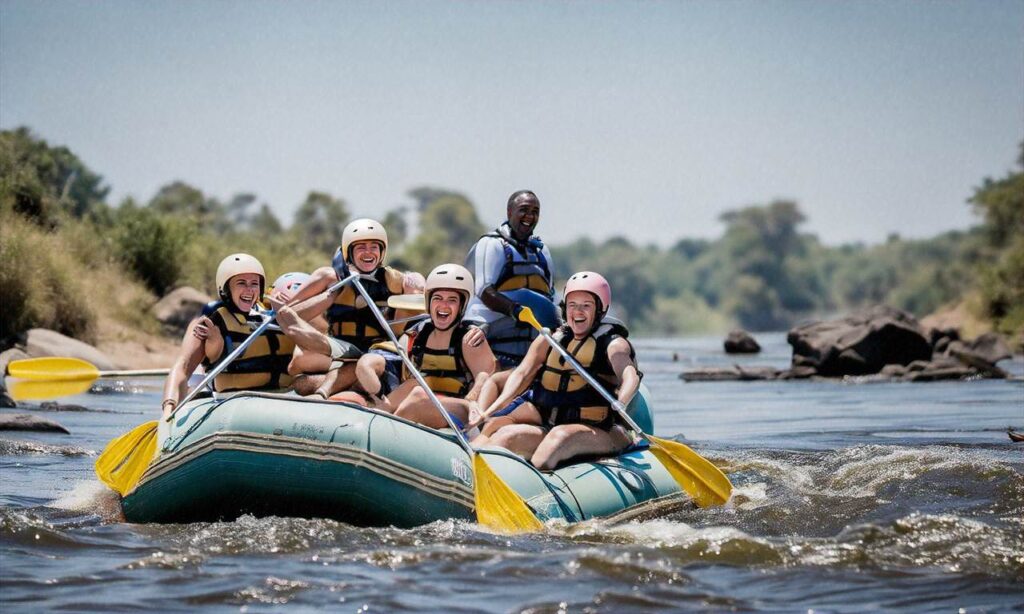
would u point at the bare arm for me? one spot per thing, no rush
(625, 370)
(522, 376)
(496, 301)
(189, 357)
(318, 281)
(479, 358)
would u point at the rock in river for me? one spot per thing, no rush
(28, 422)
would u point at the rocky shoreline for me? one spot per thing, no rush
(876, 344)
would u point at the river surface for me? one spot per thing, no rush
(849, 497)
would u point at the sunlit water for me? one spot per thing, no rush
(849, 496)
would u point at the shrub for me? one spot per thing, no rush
(151, 246)
(41, 283)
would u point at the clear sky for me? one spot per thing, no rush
(643, 119)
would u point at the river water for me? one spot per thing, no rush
(849, 497)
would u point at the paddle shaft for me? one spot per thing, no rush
(268, 319)
(412, 368)
(615, 403)
(135, 373)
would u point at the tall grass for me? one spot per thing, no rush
(42, 284)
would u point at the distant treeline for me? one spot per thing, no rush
(762, 273)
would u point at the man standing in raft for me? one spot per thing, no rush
(352, 329)
(561, 415)
(511, 265)
(453, 360)
(224, 325)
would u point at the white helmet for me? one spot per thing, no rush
(237, 264)
(364, 229)
(451, 277)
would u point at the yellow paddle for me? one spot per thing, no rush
(62, 368)
(56, 376)
(497, 505)
(30, 390)
(699, 477)
(126, 458)
(408, 302)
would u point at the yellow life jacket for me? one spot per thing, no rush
(561, 395)
(264, 364)
(445, 371)
(349, 318)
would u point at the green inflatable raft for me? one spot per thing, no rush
(282, 455)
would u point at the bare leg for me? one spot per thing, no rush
(369, 368)
(337, 380)
(304, 334)
(568, 440)
(306, 384)
(524, 414)
(521, 439)
(419, 408)
(492, 388)
(349, 396)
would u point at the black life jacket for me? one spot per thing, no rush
(525, 264)
(561, 395)
(352, 321)
(263, 365)
(445, 371)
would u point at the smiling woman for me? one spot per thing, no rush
(223, 326)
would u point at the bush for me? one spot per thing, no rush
(41, 283)
(151, 246)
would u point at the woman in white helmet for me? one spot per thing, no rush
(452, 361)
(324, 358)
(555, 414)
(224, 324)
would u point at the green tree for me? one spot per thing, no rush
(1001, 203)
(265, 223)
(319, 221)
(448, 226)
(43, 182)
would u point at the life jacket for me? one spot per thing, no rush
(264, 364)
(349, 319)
(525, 264)
(561, 395)
(445, 371)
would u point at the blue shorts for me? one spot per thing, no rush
(516, 402)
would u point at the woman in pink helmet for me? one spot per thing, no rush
(554, 413)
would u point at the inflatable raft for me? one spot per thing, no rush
(282, 455)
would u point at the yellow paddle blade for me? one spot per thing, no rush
(126, 458)
(52, 368)
(28, 390)
(497, 505)
(698, 476)
(409, 302)
(526, 316)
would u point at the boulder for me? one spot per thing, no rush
(861, 343)
(28, 422)
(740, 342)
(5, 357)
(178, 308)
(734, 374)
(990, 347)
(42, 342)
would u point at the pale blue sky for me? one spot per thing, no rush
(642, 119)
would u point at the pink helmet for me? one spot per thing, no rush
(591, 282)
